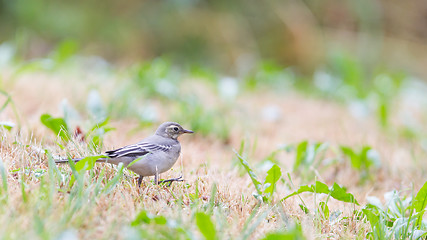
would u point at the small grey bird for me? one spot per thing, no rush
(157, 153)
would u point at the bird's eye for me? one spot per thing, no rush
(175, 129)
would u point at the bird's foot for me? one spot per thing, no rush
(140, 180)
(178, 179)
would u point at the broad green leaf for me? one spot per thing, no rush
(341, 194)
(84, 164)
(354, 158)
(281, 236)
(142, 217)
(363, 160)
(7, 125)
(206, 226)
(273, 175)
(252, 175)
(145, 217)
(420, 202)
(64, 51)
(319, 187)
(160, 220)
(57, 125)
(87, 163)
(335, 191)
(372, 218)
(294, 233)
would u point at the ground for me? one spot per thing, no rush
(215, 181)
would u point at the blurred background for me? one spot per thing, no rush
(331, 90)
(232, 37)
(368, 55)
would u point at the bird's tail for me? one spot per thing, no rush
(65, 160)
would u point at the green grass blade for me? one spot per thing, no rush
(4, 179)
(251, 229)
(212, 199)
(205, 225)
(301, 153)
(24, 193)
(111, 184)
(251, 173)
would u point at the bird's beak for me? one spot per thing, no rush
(187, 131)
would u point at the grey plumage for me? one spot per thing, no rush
(157, 153)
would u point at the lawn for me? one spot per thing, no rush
(274, 156)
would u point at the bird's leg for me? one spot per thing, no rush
(178, 179)
(140, 180)
(156, 178)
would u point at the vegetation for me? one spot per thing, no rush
(288, 144)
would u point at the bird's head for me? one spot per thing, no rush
(171, 130)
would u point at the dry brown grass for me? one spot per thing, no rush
(204, 162)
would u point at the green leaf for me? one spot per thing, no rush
(354, 158)
(366, 158)
(57, 125)
(88, 163)
(273, 175)
(372, 218)
(294, 233)
(304, 208)
(64, 51)
(206, 226)
(324, 210)
(145, 217)
(420, 202)
(160, 220)
(300, 154)
(7, 125)
(84, 164)
(252, 175)
(4, 178)
(341, 194)
(97, 132)
(383, 114)
(336, 192)
(142, 217)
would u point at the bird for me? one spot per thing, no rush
(156, 154)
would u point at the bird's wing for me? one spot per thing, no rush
(137, 150)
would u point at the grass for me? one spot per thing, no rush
(311, 170)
